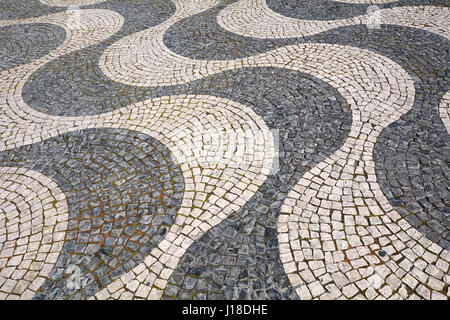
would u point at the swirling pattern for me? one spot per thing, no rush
(252, 149)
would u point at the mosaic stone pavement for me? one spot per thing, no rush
(223, 149)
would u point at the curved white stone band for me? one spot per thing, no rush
(142, 59)
(253, 18)
(444, 110)
(33, 223)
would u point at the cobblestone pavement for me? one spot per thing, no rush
(223, 149)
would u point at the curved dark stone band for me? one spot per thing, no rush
(19, 9)
(335, 10)
(123, 191)
(22, 44)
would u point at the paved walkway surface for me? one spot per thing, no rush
(219, 149)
